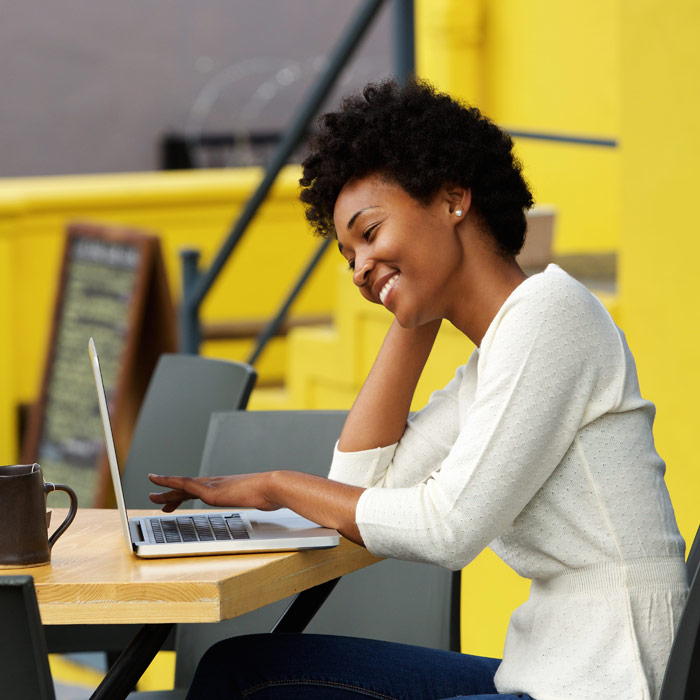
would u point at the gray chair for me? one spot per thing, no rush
(682, 677)
(24, 661)
(693, 562)
(172, 424)
(391, 600)
(169, 437)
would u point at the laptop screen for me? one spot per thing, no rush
(109, 442)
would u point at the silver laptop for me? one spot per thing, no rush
(215, 532)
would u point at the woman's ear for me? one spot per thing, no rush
(459, 200)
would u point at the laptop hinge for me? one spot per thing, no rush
(137, 533)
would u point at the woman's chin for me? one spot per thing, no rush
(406, 321)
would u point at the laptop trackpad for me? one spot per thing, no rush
(277, 523)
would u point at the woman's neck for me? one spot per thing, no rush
(488, 278)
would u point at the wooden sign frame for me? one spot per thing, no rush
(150, 330)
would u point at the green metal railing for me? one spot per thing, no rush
(196, 282)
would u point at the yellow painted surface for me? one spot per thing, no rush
(449, 46)
(160, 675)
(552, 65)
(660, 244)
(548, 67)
(64, 670)
(8, 358)
(582, 183)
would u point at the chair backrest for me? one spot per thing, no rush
(682, 677)
(172, 424)
(24, 661)
(694, 557)
(391, 600)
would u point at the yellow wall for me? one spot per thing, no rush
(449, 46)
(545, 66)
(660, 64)
(187, 209)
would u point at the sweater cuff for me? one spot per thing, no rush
(361, 468)
(394, 524)
(368, 516)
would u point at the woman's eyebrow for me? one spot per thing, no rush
(357, 213)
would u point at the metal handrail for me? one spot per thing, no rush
(278, 319)
(196, 283)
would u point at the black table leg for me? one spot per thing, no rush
(302, 609)
(123, 675)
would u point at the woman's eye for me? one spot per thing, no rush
(351, 265)
(366, 235)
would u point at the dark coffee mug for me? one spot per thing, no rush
(24, 537)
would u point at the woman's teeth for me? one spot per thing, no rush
(387, 287)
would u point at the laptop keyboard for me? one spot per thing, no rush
(199, 528)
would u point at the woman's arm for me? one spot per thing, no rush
(378, 416)
(323, 501)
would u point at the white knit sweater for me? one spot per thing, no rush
(541, 447)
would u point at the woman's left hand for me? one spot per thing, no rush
(242, 491)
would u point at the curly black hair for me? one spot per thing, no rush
(419, 139)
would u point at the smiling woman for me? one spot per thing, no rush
(541, 446)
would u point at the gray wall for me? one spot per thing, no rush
(88, 86)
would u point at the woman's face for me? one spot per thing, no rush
(403, 254)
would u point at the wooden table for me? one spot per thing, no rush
(94, 579)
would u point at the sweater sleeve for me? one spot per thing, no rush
(427, 440)
(538, 371)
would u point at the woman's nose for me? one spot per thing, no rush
(362, 271)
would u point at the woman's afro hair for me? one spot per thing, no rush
(419, 139)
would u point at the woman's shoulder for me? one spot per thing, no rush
(555, 294)
(550, 305)
(557, 284)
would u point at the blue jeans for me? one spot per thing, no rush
(303, 666)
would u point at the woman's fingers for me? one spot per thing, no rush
(183, 483)
(170, 500)
(242, 490)
(181, 489)
(169, 496)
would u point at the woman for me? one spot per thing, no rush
(541, 446)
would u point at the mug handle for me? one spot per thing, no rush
(48, 487)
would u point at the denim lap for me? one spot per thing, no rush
(298, 667)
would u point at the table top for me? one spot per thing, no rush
(94, 579)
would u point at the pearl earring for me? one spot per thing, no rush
(458, 212)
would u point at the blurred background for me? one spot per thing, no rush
(161, 116)
(96, 87)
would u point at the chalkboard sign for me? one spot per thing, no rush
(112, 288)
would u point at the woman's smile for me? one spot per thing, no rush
(386, 287)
